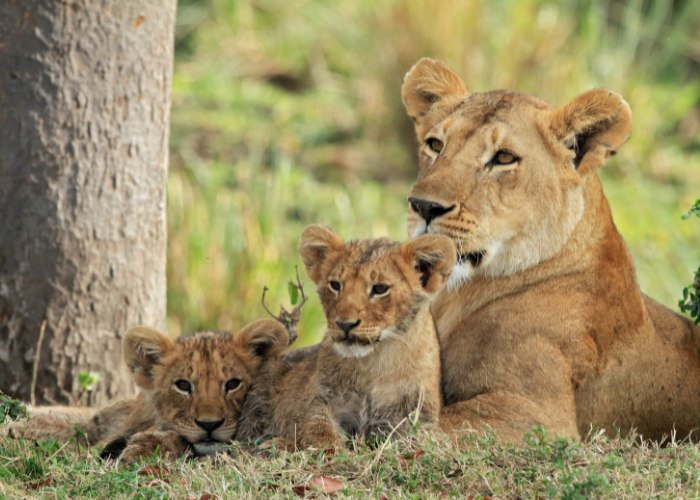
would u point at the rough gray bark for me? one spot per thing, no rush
(84, 110)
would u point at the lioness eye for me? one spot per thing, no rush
(434, 144)
(379, 290)
(232, 384)
(183, 385)
(334, 286)
(503, 158)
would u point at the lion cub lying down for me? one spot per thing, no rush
(192, 392)
(380, 359)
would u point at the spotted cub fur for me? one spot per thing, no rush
(192, 392)
(379, 362)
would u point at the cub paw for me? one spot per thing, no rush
(168, 444)
(322, 437)
(113, 449)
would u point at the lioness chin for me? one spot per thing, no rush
(543, 322)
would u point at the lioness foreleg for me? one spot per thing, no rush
(509, 416)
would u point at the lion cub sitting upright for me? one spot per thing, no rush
(380, 359)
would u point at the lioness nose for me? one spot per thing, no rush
(346, 326)
(427, 209)
(209, 425)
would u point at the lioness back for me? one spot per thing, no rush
(544, 322)
(379, 363)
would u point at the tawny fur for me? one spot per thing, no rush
(374, 378)
(549, 327)
(161, 416)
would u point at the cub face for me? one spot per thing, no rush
(198, 382)
(372, 289)
(503, 173)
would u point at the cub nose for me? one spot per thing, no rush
(209, 425)
(346, 326)
(427, 209)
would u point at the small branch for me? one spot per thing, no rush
(265, 289)
(287, 318)
(35, 368)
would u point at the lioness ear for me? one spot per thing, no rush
(428, 82)
(433, 257)
(315, 244)
(594, 125)
(263, 338)
(143, 349)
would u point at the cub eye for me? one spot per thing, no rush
(379, 290)
(232, 384)
(183, 386)
(434, 144)
(503, 158)
(334, 286)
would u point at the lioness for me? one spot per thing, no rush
(542, 321)
(379, 361)
(192, 392)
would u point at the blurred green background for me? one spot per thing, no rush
(288, 112)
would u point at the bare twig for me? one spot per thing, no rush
(265, 289)
(287, 318)
(35, 368)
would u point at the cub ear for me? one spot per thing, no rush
(428, 82)
(594, 125)
(143, 349)
(315, 244)
(433, 256)
(264, 338)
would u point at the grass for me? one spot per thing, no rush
(426, 465)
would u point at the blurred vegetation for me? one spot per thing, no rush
(11, 409)
(690, 303)
(287, 112)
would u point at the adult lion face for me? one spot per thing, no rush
(502, 173)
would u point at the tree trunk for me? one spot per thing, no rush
(84, 110)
